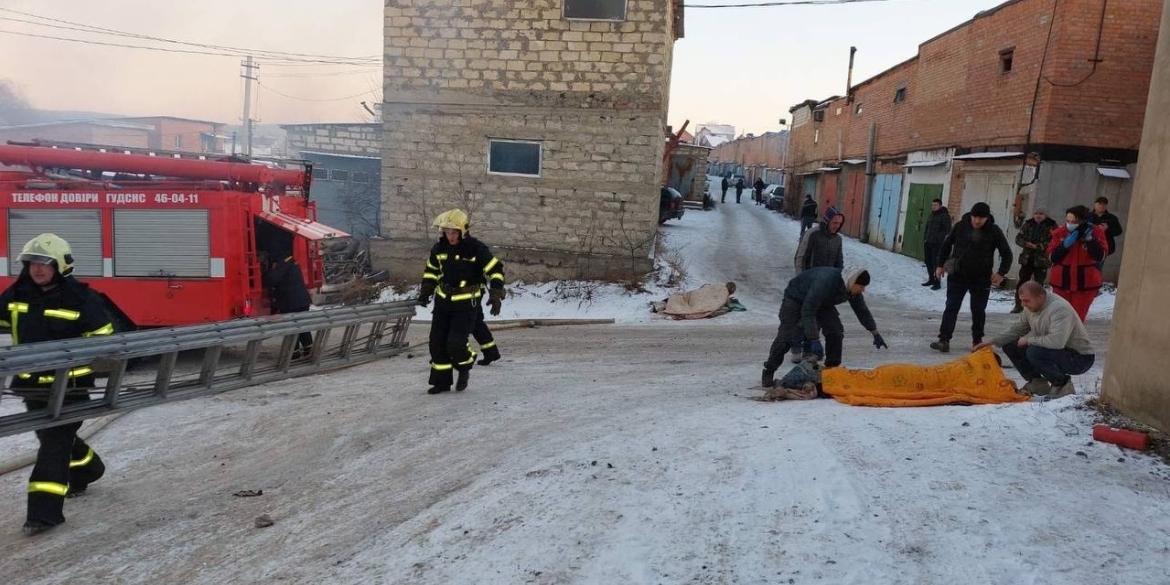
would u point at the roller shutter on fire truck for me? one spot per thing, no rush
(162, 242)
(82, 228)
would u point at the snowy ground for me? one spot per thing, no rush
(619, 453)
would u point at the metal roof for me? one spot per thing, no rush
(925, 163)
(1113, 173)
(829, 169)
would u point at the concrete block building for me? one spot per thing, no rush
(347, 168)
(544, 119)
(1033, 103)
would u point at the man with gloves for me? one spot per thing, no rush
(810, 305)
(458, 269)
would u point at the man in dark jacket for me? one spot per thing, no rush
(822, 245)
(1101, 216)
(289, 294)
(458, 268)
(724, 185)
(738, 189)
(759, 186)
(1033, 238)
(47, 304)
(808, 214)
(967, 259)
(810, 306)
(937, 228)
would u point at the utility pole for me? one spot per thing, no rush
(248, 65)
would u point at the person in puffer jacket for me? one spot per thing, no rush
(1076, 249)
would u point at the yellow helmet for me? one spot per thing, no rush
(453, 219)
(49, 249)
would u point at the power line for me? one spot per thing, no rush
(348, 97)
(231, 51)
(789, 3)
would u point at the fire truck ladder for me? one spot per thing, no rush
(235, 354)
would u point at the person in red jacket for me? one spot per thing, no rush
(1075, 250)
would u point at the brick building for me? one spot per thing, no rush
(1032, 103)
(153, 132)
(752, 156)
(347, 168)
(544, 119)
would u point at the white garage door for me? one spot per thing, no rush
(162, 242)
(82, 228)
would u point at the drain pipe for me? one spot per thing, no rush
(870, 173)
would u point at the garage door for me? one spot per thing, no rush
(161, 242)
(82, 228)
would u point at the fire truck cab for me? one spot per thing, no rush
(167, 241)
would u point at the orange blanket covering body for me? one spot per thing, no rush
(973, 379)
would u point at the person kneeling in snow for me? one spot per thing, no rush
(810, 304)
(1047, 344)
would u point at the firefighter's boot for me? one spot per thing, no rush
(768, 378)
(438, 389)
(464, 377)
(35, 527)
(490, 354)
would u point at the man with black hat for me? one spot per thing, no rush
(966, 259)
(810, 305)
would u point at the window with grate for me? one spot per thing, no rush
(514, 157)
(595, 9)
(339, 174)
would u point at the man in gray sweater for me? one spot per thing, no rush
(1048, 344)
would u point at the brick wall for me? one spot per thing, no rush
(360, 139)
(957, 94)
(594, 94)
(765, 150)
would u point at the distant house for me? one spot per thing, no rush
(125, 134)
(152, 132)
(713, 135)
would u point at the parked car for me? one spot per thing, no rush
(774, 197)
(670, 205)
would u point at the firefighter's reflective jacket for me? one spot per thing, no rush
(70, 309)
(457, 274)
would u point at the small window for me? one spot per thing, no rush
(595, 9)
(899, 95)
(1005, 59)
(818, 115)
(511, 157)
(321, 173)
(858, 110)
(816, 136)
(361, 177)
(179, 142)
(339, 175)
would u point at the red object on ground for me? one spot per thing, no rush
(1122, 437)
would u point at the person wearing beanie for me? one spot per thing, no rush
(967, 261)
(810, 307)
(821, 245)
(1033, 239)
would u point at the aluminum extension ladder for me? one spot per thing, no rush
(235, 354)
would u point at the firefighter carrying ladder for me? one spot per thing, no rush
(235, 354)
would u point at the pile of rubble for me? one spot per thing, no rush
(349, 275)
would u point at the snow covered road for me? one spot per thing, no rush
(624, 453)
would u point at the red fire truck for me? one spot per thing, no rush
(167, 241)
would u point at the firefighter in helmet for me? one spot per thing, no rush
(458, 269)
(45, 304)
